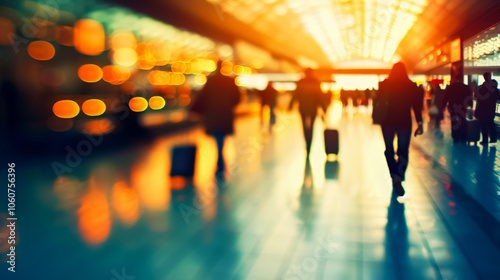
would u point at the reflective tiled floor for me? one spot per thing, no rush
(278, 216)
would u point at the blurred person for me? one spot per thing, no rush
(268, 98)
(216, 103)
(344, 97)
(310, 97)
(436, 110)
(355, 95)
(402, 96)
(458, 97)
(486, 101)
(365, 97)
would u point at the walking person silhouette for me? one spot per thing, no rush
(487, 95)
(401, 96)
(309, 96)
(216, 103)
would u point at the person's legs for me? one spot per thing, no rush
(272, 119)
(404, 137)
(484, 131)
(492, 129)
(307, 125)
(389, 133)
(219, 139)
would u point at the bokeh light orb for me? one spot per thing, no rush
(66, 109)
(41, 50)
(93, 107)
(125, 56)
(90, 73)
(138, 104)
(89, 37)
(156, 102)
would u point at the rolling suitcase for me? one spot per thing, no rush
(331, 141)
(183, 161)
(473, 131)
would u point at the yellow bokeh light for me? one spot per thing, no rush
(156, 102)
(125, 56)
(41, 50)
(93, 107)
(240, 81)
(138, 104)
(90, 73)
(209, 65)
(159, 78)
(123, 40)
(177, 79)
(200, 79)
(146, 62)
(66, 109)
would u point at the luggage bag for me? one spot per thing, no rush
(473, 131)
(331, 141)
(183, 161)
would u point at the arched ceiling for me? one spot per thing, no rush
(333, 33)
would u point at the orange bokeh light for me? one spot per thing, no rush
(179, 67)
(226, 70)
(146, 62)
(123, 40)
(115, 75)
(177, 79)
(41, 50)
(156, 102)
(138, 104)
(90, 73)
(89, 37)
(159, 78)
(93, 107)
(94, 221)
(66, 109)
(125, 202)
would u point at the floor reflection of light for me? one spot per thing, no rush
(334, 113)
(125, 203)
(149, 179)
(94, 222)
